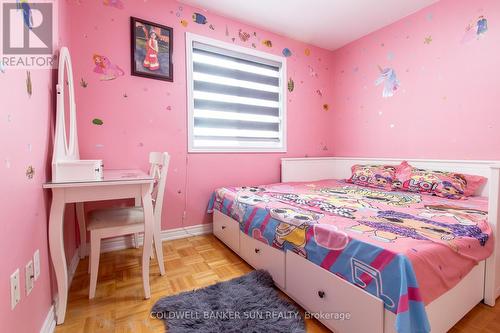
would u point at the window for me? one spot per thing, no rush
(236, 98)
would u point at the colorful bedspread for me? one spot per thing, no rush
(405, 248)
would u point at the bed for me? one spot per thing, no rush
(366, 259)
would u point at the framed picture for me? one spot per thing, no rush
(151, 50)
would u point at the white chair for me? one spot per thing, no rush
(114, 222)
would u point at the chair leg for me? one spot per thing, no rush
(95, 251)
(158, 248)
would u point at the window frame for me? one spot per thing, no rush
(190, 38)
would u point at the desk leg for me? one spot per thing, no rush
(148, 237)
(80, 216)
(56, 245)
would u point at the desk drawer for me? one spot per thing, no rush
(320, 291)
(262, 256)
(227, 230)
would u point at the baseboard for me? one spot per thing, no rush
(49, 325)
(125, 242)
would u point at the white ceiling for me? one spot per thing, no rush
(325, 23)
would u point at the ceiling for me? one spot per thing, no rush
(329, 24)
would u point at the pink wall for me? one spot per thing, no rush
(445, 105)
(153, 116)
(26, 140)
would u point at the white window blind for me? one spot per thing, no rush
(235, 98)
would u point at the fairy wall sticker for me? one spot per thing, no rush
(476, 29)
(108, 70)
(389, 79)
(27, 13)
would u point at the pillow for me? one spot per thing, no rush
(473, 184)
(444, 184)
(378, 176)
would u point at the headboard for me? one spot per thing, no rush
(316, 168)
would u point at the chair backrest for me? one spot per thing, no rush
(159, 169)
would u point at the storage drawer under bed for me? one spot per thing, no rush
(262, 256)
(227, 230)
(340, 306)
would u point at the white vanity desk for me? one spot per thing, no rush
(116, 184)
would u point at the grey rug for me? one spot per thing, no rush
(249, 303)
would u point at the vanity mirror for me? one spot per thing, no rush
(66, 163)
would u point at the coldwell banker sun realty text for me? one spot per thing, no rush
(28, 34)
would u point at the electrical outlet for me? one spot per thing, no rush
(36, 262)
(30, 277)
(15, 293)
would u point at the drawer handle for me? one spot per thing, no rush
(223, 227)
(257, 250)
(321, 294)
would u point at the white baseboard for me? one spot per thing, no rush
(125, 242)
(49, 325)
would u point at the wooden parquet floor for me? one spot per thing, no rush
(191, 263)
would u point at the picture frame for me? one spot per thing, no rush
(151, 50)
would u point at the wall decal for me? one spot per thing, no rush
(267, 43)
(244, 36)
(307, 52)
(319, 92)
(233, 39)
(27, 14)
(199, 18)
(118, 4)
(326, 107)
(227, 31)
(97, 121)
(178, 13)
(390, 80)
(169, 108)
(108, 70)
(30, 172)
(286, 52)
(83, 83)
(254, 46)
(475, 30)
(29, 86)
(291, 85)
(312, 72)
(151, 48)
(211, 26)
(184, 23)
(428, 40)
